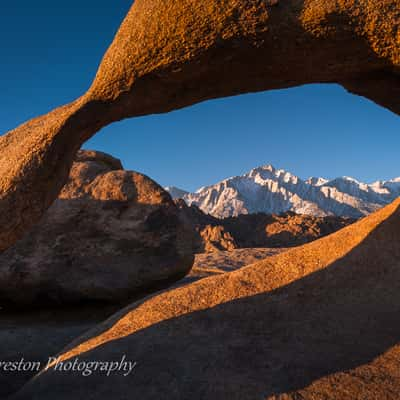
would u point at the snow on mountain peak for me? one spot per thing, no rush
(269, 171)
(270, 190)
(350, 179)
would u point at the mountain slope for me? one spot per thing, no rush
(274, 191)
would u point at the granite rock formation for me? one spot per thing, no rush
(109, 236)
(171, 54)
(257, 230)
(286, 230)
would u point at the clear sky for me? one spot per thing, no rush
(50, 52)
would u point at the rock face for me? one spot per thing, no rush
(159, 62)
(257, 230)
(273, 191)
(315, 322)
(110, 235)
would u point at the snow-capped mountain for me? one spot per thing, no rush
(274, 191)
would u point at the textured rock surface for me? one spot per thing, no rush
(316, 322)
(216, 238)
(257, 230)
(170, 54)
(110, 234)
(286, 230)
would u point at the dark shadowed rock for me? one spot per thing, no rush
(110, 234)
(35, 335)
(171, 54)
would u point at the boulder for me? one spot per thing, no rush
(172, 54)
(319, 321)
(110, 235)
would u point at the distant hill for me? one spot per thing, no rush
(257, 230)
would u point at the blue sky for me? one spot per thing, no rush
(50, 53)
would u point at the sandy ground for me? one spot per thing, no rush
(219, 262)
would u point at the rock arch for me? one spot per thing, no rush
(172, 54)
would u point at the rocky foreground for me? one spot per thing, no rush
(315, 322)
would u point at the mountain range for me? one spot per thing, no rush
(274, 191)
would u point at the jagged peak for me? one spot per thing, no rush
(316, 181)
(271, 190)
(277, 172)
(267, 167)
